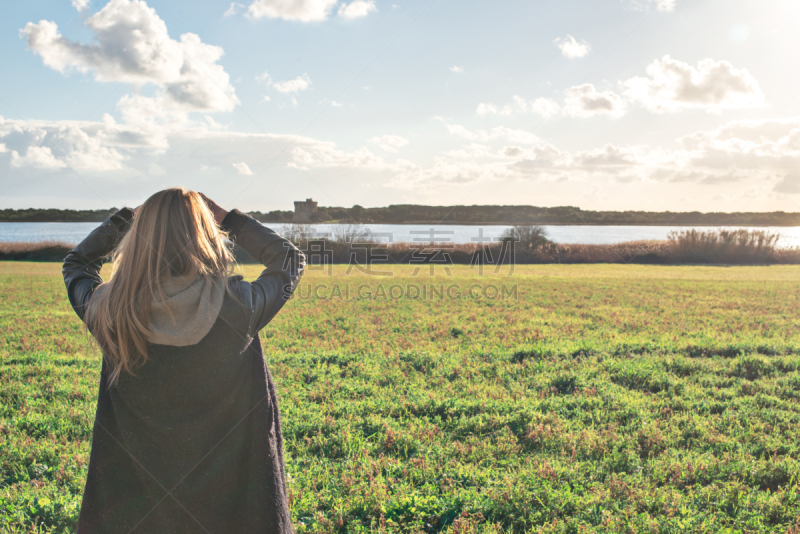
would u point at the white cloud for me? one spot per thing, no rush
(540, 161)
(763, 152)
(36, 156)
(148, 121)
(670, 86)
(325, 154)
(754, 145)
(297, 10)
(214, 124)
(233, 9)
(92, 148)
(389, 143)
(456, 69)
(336, 104)
(265, 98)
(586, 101)
(650, 5)
(610, 156)
(106, 151)
(485, 108)
(543, 106)
(673, 85)
(129, 45)
(357, 9)
(497, 133)
(80, 5)
(300, 83)
(540, 106)
(90, 153)
(571, 47)
(242, 168)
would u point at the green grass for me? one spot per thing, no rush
(603, 399)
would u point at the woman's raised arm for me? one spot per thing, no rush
(83, 263)
(284, 264)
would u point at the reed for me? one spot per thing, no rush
(41, 251)
(354, 244)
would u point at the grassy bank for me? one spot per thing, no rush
(51, 251)
(598, 398)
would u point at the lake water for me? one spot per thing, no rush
(413, 233)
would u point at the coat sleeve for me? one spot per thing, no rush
(83, 263)
(284, 264)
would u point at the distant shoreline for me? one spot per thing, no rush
(411, 214)
(449, 223)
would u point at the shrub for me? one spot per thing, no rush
(724, 246)
(529, 237)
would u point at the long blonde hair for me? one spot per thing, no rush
(173, 234)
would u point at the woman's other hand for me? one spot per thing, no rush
(218, 211)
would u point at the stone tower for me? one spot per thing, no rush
(304, 210)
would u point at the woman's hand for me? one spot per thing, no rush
(219, 212)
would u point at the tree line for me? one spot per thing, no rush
(419, 214)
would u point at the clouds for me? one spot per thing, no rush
(111, 150)
(388, 143)
(497, 133)
(765, 153)
(670, 86)
(296, 10)
(308, 10)
(296, 85)
(324, 154)
(581, 101)
(357, 9)
(80, 5)
(242, 168)
(131, 45)
(233, 9)
(36, 157)
(62, 145)
(586, 101)
(487, 108)
(159, 132)
(651, 5)
(610, 157)
(757, 145)
(540, 106)
(673, 86)
(571, 47)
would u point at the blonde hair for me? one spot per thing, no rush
(173, 234)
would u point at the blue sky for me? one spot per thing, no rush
(608, 104)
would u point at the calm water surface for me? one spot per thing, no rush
(411, 233)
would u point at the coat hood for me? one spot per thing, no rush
(188, 312)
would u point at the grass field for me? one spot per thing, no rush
(601, 399)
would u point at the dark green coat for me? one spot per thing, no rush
(193, 442)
